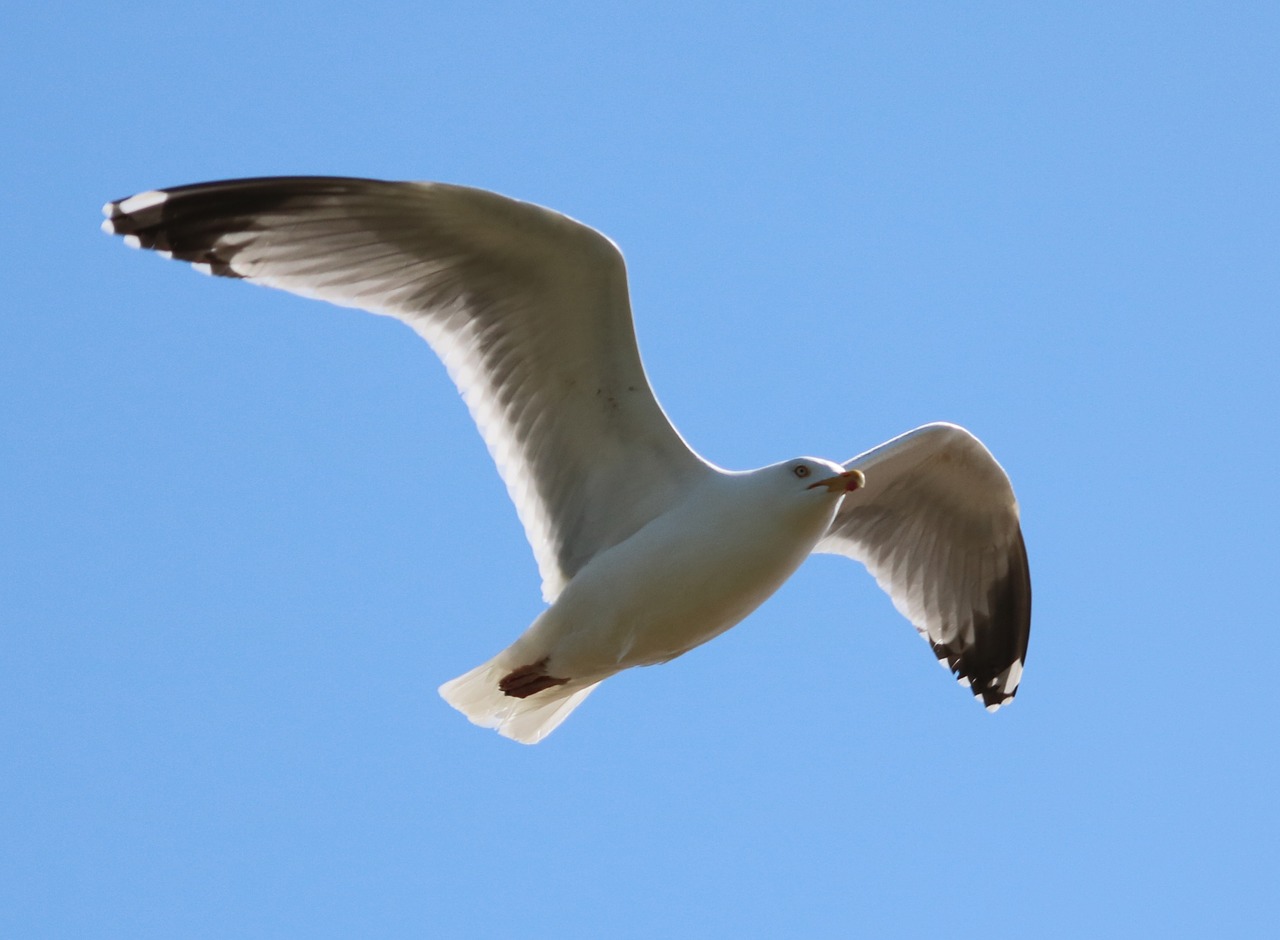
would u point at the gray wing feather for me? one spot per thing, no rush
(527, 308)
(937, 526)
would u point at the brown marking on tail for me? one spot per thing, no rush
(528, 680)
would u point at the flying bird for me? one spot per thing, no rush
(645, 549)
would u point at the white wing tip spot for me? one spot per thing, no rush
(1012, 676)
(133, 241)
(203, 268)
(108, 226)
(996, 706)
(152, 197)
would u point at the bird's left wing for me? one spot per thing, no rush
(527, 308)
(937, 525)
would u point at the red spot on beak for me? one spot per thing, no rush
(845, 482)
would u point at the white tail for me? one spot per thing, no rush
(527, 720)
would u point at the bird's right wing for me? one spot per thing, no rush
(937, 525)
(527, 308)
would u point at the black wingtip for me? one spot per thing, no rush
(992, 665)
(176, 224)
(192, 223)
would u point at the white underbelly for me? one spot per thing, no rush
(656, 597)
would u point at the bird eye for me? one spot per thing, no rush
(801, 471)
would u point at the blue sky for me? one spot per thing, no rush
(244, 536)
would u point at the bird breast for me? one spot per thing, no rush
(686, 577)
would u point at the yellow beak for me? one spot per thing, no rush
(845, 482)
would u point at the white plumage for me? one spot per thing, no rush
(645, 549)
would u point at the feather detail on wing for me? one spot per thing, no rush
(937, 526)
(527, 308)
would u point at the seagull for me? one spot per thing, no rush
(646, 549)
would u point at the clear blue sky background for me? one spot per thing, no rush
(244, 536)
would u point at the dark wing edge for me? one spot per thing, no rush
(938, 527)
(991, 663)
(205, 212)
(527, 308)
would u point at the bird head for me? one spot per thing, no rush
(813, 473)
